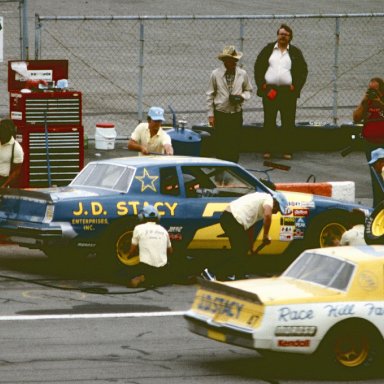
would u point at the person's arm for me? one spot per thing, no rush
(267, 220)
(247, 88)
(13, 174)
(167, 144)
(360, 111)
(135, 146)
(133, 251)
(168, 149)
(210, 100)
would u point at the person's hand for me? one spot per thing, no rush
(168, 149)
(236, 99)
(266, 240)
(144, 150)
(211, 121)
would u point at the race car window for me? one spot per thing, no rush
(169, 182)
(214, 182)
(107, 176)
(321, 269)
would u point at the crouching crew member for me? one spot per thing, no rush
(153, 244)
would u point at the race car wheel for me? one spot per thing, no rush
(326, 230)
(353, 347)
(114, 246)
(374, 226)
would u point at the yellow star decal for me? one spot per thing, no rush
(147, 181)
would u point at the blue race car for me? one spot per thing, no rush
(97, 211)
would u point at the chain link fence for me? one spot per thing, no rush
(10, 11)
(123, 65)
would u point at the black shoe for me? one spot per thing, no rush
(206, 275)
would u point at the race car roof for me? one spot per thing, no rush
(354, 253)
(140, 161)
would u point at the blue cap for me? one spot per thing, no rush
(376, 155)
(156, 113)
(282, 200)
(149, 212)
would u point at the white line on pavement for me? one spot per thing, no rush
(90, 316)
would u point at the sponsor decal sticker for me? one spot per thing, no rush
(293, 343)
(301, 212)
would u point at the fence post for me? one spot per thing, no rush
(24, 30)
(37, 37)
(241, 48)
(141, 69)
(335, 70)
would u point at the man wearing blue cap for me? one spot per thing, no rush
(149, 138)
(238, 218)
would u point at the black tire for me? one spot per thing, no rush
(114, 246)
(374, 226)
(352, 347)
(326, 229)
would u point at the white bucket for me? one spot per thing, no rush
(105, 136)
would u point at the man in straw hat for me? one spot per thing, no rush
(229, 87)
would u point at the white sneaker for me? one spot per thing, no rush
(206, 275)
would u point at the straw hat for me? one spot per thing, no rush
(229, 52)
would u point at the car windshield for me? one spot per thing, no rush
(107, 176)
(321, 269)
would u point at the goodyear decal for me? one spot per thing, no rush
(147, 181)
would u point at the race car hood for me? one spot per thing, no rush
(280, 290)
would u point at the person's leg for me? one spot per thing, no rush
(137, 275)
(227, 135)
(270, 109)
(287, 106)
(234, 127)
(237, 261)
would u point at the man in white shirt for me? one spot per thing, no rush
(153, 244)
(149, 138)
(11, 154)
(280, 73)
(238, 218)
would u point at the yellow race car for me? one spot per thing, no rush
(329, 303)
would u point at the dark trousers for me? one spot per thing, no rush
(238, 261)
(153, 275)
(227, 133)
(283, 139)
